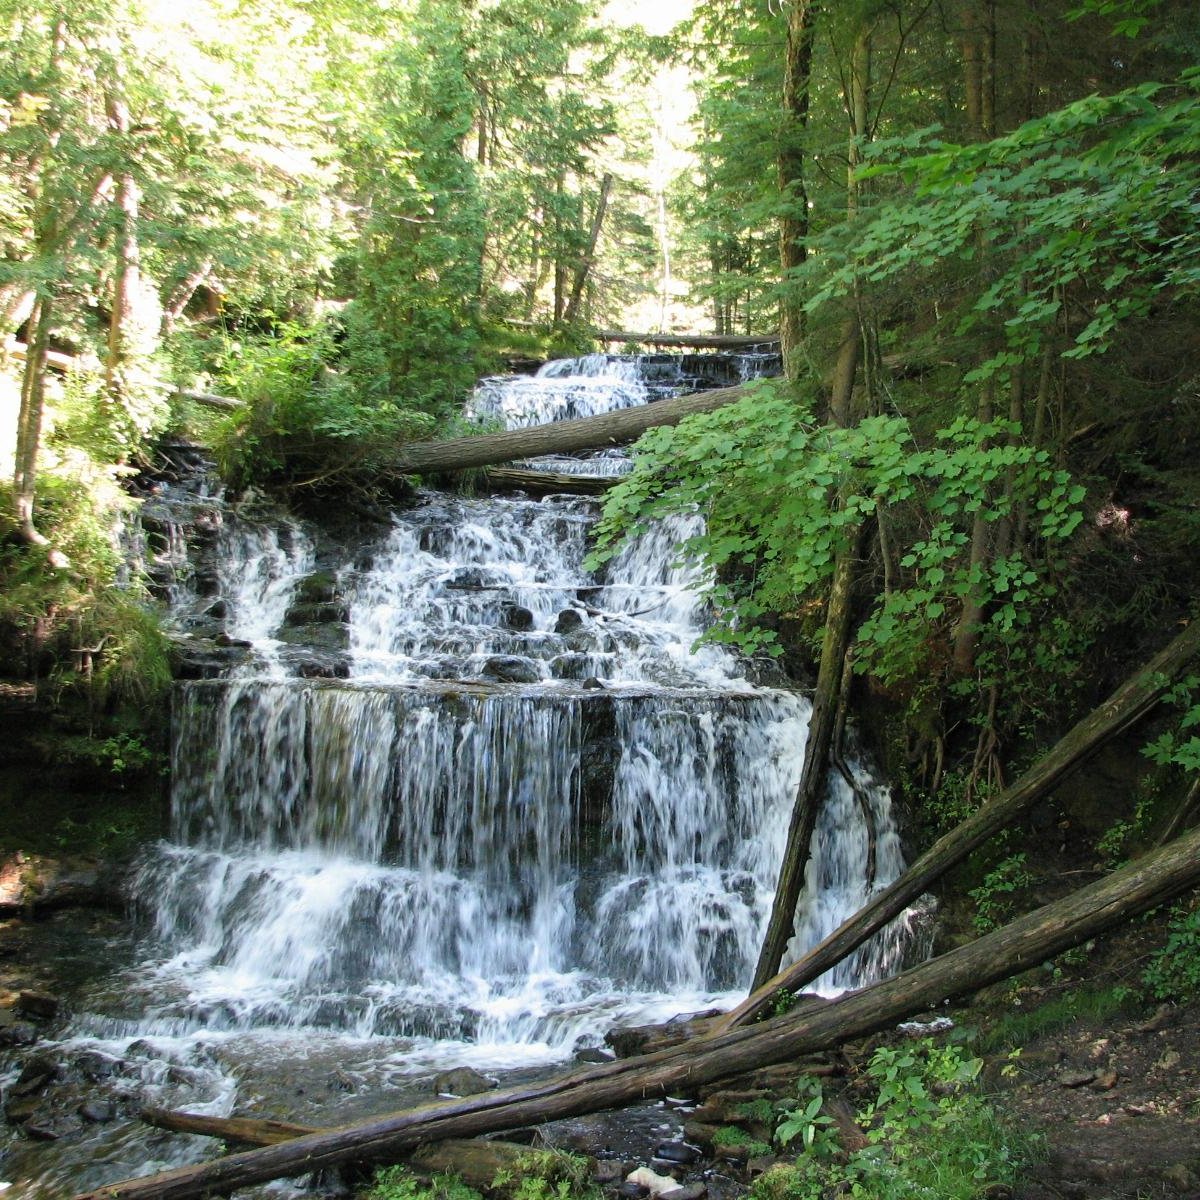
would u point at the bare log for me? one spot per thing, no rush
(475, 1161)
(1121, 710)
(691, 341)
(559, 437)
(1032, 939)
(547, 482)
(208, 400)
(244, 1131)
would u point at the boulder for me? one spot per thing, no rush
(509, 668)
(462, 1081)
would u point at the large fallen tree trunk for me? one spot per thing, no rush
(1121, 710)
(476, 1161)
(690, 341)
(1026, 942)
(547, 482)
(558, 437)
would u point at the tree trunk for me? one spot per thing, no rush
(29, 421)
(793, 223)
(178, 300)
(1032, 939)
(126, 278)
(557, 437)
(811, 790)
(1131, 701)
(589, 257)
(820, 749)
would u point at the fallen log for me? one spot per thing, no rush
(1122, 709)
(209, 400)
(547, 482)
(1024, 943)
(690, 341)
(558, 437)
(476, 1161)
(243, 1131)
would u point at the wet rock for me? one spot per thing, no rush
(688, 1191)
(37, 1074)
(94, 1066)
(314, 664)
(313, 616)
(468, 579)
(49, 1128)
(653, 1183)
(700, 1132)
(760, 1164)
(19, 1110)
(227, 642)
(632, 1191)
(318, 588)
(462, 1081)
(609, 1170)
(677, 1152)
(569, 620)
(515, 616)
(20, 1033)
(592, 684)
(508, 668)
(571, 666)
(39, 1004)
(593, 1054)
(97, 1112)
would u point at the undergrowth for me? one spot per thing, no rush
(927, 1131)
(535, 1175)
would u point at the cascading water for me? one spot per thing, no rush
(514, 809)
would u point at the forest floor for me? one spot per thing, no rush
(1117, 1100)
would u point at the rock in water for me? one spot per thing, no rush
(462, 1081)
(654, 1183)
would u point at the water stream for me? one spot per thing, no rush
(454, 800)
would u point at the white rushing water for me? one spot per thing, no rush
(528, 809)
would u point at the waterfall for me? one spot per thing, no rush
(445, 796)
(531, 796)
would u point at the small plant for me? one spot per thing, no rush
(782, 1002)
(545, 1175)
(398, 1183)
(1174, 970)
(812, 1126)
(995, 898)
(929, 1133)
(730, 1136)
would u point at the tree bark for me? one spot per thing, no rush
(29, 421)
(1026, 942)
(1131, 701)
(589, 256)
(793, 223)
(126, 277)
(811, 790)
(558, 437)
